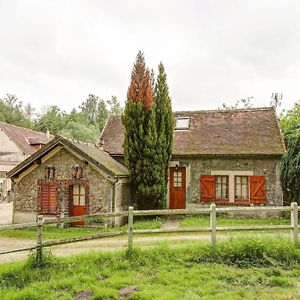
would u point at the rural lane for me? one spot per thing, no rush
(112, 244)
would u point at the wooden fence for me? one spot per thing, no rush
(131, 213)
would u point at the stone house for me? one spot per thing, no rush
(17, 143)
(69, 177)
(230, 157)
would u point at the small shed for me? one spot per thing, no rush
(71, 178)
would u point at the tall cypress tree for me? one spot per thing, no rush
(165, 127)
(141, 136)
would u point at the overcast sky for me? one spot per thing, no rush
(58, 52)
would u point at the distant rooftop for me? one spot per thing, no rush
(25, 138)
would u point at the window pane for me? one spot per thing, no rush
(82, 200)
(82, 189)
(76, 189)
(218, 192)
(75, 200)
(245, 191)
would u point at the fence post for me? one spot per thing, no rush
(39, 242)
(213, 224)
(130, 228)
(61, 219)
(294, 222)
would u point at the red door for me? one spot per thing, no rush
(177, 188)
(78, 202)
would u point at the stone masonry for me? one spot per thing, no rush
(261, 166)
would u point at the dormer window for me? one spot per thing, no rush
(182, 123)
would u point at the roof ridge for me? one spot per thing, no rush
(76, 141)
(21, 127)
(221, 110)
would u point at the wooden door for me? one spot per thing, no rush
(177, 188)
(78, 207)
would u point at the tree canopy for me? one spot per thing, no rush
(290, 123)
(83, 124)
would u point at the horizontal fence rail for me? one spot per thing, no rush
(212, 211)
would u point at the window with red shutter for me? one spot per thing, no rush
(257, 189)
(207, 188)
(48, 198)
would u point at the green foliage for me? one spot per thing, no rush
(164, 128)
(290, 123)
(148, 135)
(203, 221)
(81, 132)
(53, 120)
(85, 124)
(290, 172)
(235, 269)
(12, 112)
(115, 106)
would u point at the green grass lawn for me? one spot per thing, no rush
(201, 221)
(52, 232)
(235, 269)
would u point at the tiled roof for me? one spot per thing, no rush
(215, 132)
(88, 152)
(25, 138)
(103, 158)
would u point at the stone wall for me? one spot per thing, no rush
(26, 190)
(261, 166)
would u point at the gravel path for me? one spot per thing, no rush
(111, 244)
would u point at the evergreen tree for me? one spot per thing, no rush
(141, 136)
(290, 172)
(165, 127)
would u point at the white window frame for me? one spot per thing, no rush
(231, 183)
(178, 119)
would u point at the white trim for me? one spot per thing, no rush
(231, 175)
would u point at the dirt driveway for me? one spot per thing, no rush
(6, 213)
(112, 244)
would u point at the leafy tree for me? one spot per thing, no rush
(141, 136)
(102, 115)
(95, 111)
(81, 132)
(290, 123)
(89, 108)
(29, 112)
(165, 127)
(53, 120)
(114, 106)
(290, 172)
(11, 111)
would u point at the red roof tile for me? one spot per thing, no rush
(25, 138)
(224, 132)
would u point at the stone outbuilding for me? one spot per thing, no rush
(229, 157)
(69, 177)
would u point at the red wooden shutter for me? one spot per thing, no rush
(208, 188)
(52, 198)
(48, 198)
(257, 189)
(44, 198)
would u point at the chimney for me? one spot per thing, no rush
(48, 133)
